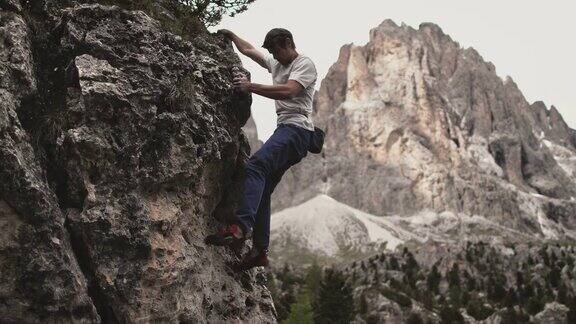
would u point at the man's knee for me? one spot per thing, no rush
(257, 165)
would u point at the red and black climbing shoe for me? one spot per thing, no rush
(229, 235)
(254, 258)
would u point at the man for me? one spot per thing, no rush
(294, 77)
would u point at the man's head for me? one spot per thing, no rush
(280, 43)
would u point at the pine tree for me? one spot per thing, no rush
(454, 281)
(433, 280)
(510, 316)
(428, 300)
(301, 311)
(562, 297)
(450, 315)
(453, 276)
(335, 303)
(414, 318)
(410, 269)
(535, 305)
(554, 276)
(281, 309)
(511, 298)
(544, 254)
(470, 281)
(394, 263)
(313, 279)
(478, 310)
(519, 279)
(382, 258)
(571, 316)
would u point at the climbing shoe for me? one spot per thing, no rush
(254, 258)
(229, 235)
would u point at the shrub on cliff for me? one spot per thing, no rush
(211, 11)
(186, 18)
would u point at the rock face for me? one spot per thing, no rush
(416, 123)
(120, 145)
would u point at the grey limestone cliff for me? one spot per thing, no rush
(120, 146)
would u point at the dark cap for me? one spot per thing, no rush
(275, 34)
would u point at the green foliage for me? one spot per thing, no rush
(454, 275)
(210, 12)
(394, 263)
(396, 297)
(480, 286)
(428, 300)
(335, 303)
(562, 296)
(571, 316)
(433, 280)
(186, 18)
(301, 312)
(511, 298)
(450, 315)
(410, 268)
(535, 305)
(313, 279)
(510, 315)
(288, 277)
(281, 308)
(414, 318)
(496, 287)
(554, 276)
(477, 309)
(173, 15)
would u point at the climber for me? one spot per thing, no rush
(294, 77)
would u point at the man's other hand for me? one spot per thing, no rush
(241, 82)
(226, 33)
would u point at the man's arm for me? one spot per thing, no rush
(245, 48)
(277, 92)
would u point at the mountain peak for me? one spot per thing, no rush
(388, 23)
(424, 124)
(331, 230)
(431, 27)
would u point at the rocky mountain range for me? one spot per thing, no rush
(460, 190)
(417, 124)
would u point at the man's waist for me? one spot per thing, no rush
(292, 113)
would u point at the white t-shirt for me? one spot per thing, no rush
(295, 111)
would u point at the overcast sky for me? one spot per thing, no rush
(534, 42)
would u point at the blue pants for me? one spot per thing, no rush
(286, 147)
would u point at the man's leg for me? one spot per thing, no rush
(261, 239)
(286, 147)
(295, 145)
(270, 157)
(276, 154)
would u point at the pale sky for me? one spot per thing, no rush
(534, 42)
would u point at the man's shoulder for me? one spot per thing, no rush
(271, 60)
(304, 60)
